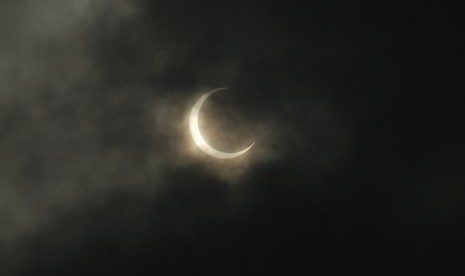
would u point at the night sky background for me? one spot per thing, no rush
(354, 107)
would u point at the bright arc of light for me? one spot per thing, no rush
(197, 136)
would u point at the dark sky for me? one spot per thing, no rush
(354, 109)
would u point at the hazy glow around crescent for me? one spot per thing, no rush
(197, 136)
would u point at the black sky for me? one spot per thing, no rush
(355, 109)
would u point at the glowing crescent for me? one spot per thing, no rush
(197, 136)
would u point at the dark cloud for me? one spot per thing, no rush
(358, 154)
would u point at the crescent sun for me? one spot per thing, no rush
(197, 136)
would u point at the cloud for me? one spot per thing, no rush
(94, 97)
(49, 142)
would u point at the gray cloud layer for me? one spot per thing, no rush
(353, 160)
(93, 103)
(52, 156)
